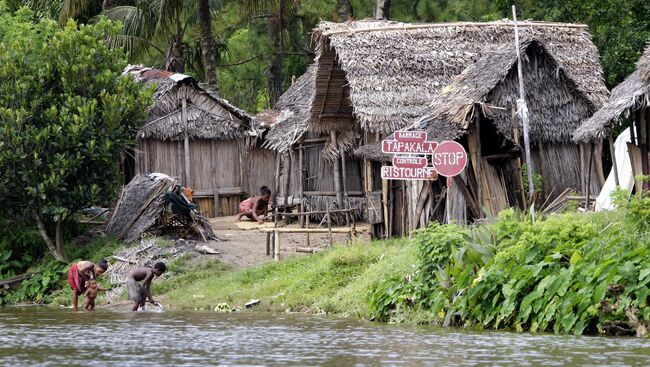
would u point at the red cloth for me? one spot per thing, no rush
(77, 283)
(246, 205)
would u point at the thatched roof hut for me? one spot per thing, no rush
(200, 138)
(208, 116)
(385, 74)
(631, 95)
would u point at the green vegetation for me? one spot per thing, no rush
(569, 273)
(66, 115)
(334, 281)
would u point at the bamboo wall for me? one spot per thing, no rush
(261, 170)
(215, 170)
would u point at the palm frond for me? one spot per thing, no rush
(76, 9)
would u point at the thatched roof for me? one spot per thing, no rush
(633, 93)
(392, 71)
(209, 117)
(489, 88)
(289, 119)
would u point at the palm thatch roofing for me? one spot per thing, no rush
(208, 116)
(289, 119)
(555, 103)
(632, 94)
(392, 71)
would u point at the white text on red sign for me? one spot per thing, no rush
(401, 147)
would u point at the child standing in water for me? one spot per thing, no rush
(139, 293)
(79, 274)
(255, 206)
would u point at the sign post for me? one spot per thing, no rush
(416, 158)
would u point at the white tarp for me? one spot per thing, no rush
(625, 175)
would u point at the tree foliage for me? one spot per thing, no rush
(66, 115)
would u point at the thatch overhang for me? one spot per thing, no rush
(632, 94)
(289, 119)
(385, 74)
(208, 116)
(489, 88)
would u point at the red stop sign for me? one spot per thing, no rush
(449, 158)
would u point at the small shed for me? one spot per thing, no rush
(629, 105)
(194, 135)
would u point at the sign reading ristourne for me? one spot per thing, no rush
(411, 151)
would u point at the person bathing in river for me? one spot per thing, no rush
(80, 273)
(256, 207)
(139, 293)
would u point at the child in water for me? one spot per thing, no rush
(256, 207)
(80, 274)
(139, 293)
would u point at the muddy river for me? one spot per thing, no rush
(45, 337)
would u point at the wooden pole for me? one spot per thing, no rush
(479, 157)
(276, 249)
(215, 175)
(268, 243)
(186, 144)
(287, 184)
(276, 183)
(588, 190)
(329, 223)
(337, 171)
(145, 150)
(522, 97)
(344, 178)
(520, 180)
(643, 121)
(301, 185)
(612, 152)
(384, 197)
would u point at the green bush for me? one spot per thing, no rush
(569, 273)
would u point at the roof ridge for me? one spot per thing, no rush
(397, 26)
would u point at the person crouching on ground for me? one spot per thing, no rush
(256, 207)
(79, 274)
(139, 293)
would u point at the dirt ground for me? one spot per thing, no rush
(244, 245)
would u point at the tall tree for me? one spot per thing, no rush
(207, 44)
(343, 10)
(66, 113)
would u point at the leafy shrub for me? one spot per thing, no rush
(566, 273)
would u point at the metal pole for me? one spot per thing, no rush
(523, 115)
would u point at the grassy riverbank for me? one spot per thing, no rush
(334, 281)
(568, 273)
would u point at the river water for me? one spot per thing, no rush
(45, 337)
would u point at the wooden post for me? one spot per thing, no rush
(301, 185)
(186, 144)
(215, 175)
(645, 141)
(329, 223)
(276, 249)
(307, 225)
(384, 197)
(337, 171)
(612, 152)
(588, 191)
(522, 96)
(287, 185)
(268, 243)
(345, 204)
(479, 156)
(276, 183)
(145, 149)
(520, 180)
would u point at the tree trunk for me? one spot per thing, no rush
(344, 10)
(107, 5)
(175, 60)
(56, 249)
(275, 68)
(382, 9)
(207, 44)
